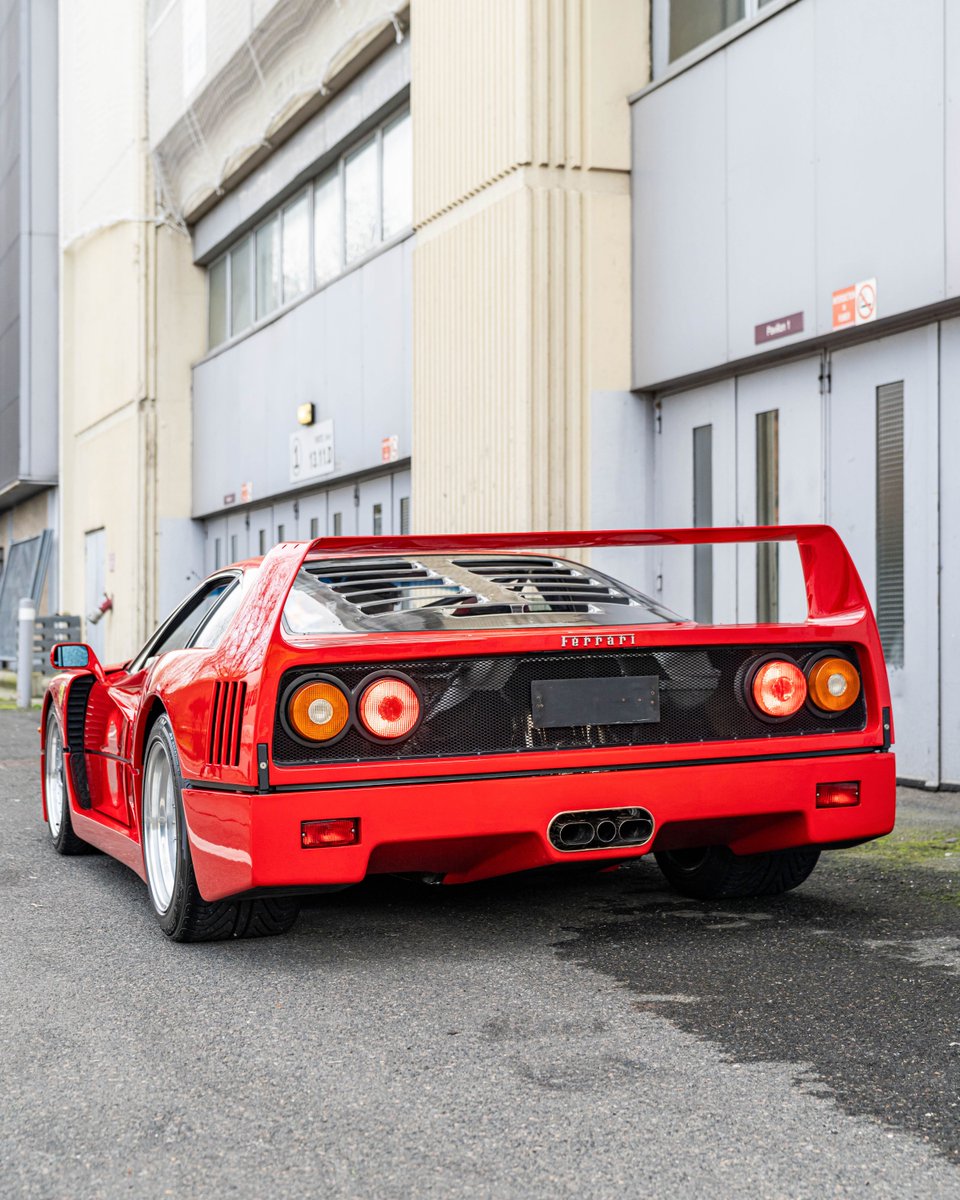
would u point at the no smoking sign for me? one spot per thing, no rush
(855, 305)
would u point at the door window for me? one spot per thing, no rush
(768, 513)
(890, 618)
(176, 632)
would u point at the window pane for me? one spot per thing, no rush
(268, 267)
(890, 618)
(361, 201)
(241, 286)
(768, 513)
(296, 248)
(338, 524)
(377, 520)
(694, 21)
(314, 527)
(404, 515)
(397, 177)
(217, 303)
(326, 227)
(703, 515)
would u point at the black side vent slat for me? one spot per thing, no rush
(226, 723)
(77, 699)
(241, 701)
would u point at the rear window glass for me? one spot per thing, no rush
(470, 591)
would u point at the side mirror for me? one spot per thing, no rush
(74, 656)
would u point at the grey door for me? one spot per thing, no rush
(94, 584)
(780, 456)
(376, 507)
(882, 497)
(695, 475)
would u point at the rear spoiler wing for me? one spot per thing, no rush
(834, 588)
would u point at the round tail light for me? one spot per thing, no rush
(779, 688)
(389, 708)
(318, 711)
(834, 684)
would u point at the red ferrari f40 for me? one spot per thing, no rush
(461, 707)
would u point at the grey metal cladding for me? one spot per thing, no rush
(346, 348)
(383, 82)
(802, 157)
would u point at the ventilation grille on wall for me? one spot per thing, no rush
(226, 723)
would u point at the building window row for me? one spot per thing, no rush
(680, 26)
(364, 199)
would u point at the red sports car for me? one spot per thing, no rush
(456, 708)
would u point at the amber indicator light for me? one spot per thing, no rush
(779, 688)
(834, 684)
(318, 711)
(389, 708)
(838, 795)
(333, 831)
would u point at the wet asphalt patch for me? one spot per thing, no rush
(855, 978)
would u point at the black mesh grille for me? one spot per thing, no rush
(482, 705)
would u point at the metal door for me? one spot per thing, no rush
(376, 507)
(215, 549)
(401, 502)
(695, 477)
(313, 516)
(780, 463)
(238, 537)
(261, 530)
(342, 511)
(94, 585)
(286, 522)
(882, 496)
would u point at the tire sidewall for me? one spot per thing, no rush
(161, 740)
(59, 839)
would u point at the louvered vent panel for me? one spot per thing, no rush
(226, 723)
(890, 618)
(389, 585)
(545, 583)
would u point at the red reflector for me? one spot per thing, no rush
(838, 795)
(338, 831)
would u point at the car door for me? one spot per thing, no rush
(106, 711)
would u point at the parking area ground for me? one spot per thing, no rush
(592, 1035)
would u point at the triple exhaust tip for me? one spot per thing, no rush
(595, 830)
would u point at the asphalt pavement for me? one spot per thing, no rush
(585, 1036)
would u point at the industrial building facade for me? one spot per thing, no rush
(367, 267)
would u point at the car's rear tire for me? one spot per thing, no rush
(716, 873)
(59, 821)
(183, 914)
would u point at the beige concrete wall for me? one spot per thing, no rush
(521, 268)
(132, 320)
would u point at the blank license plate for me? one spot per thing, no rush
(618, 701)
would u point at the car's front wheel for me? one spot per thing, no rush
(716, 873)
(65, 841)
(183, 914)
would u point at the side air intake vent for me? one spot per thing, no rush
(545, 583)
(389, 585)
(226, 723)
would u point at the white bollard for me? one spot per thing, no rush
(26, 615)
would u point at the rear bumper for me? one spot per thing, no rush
(483, 826)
